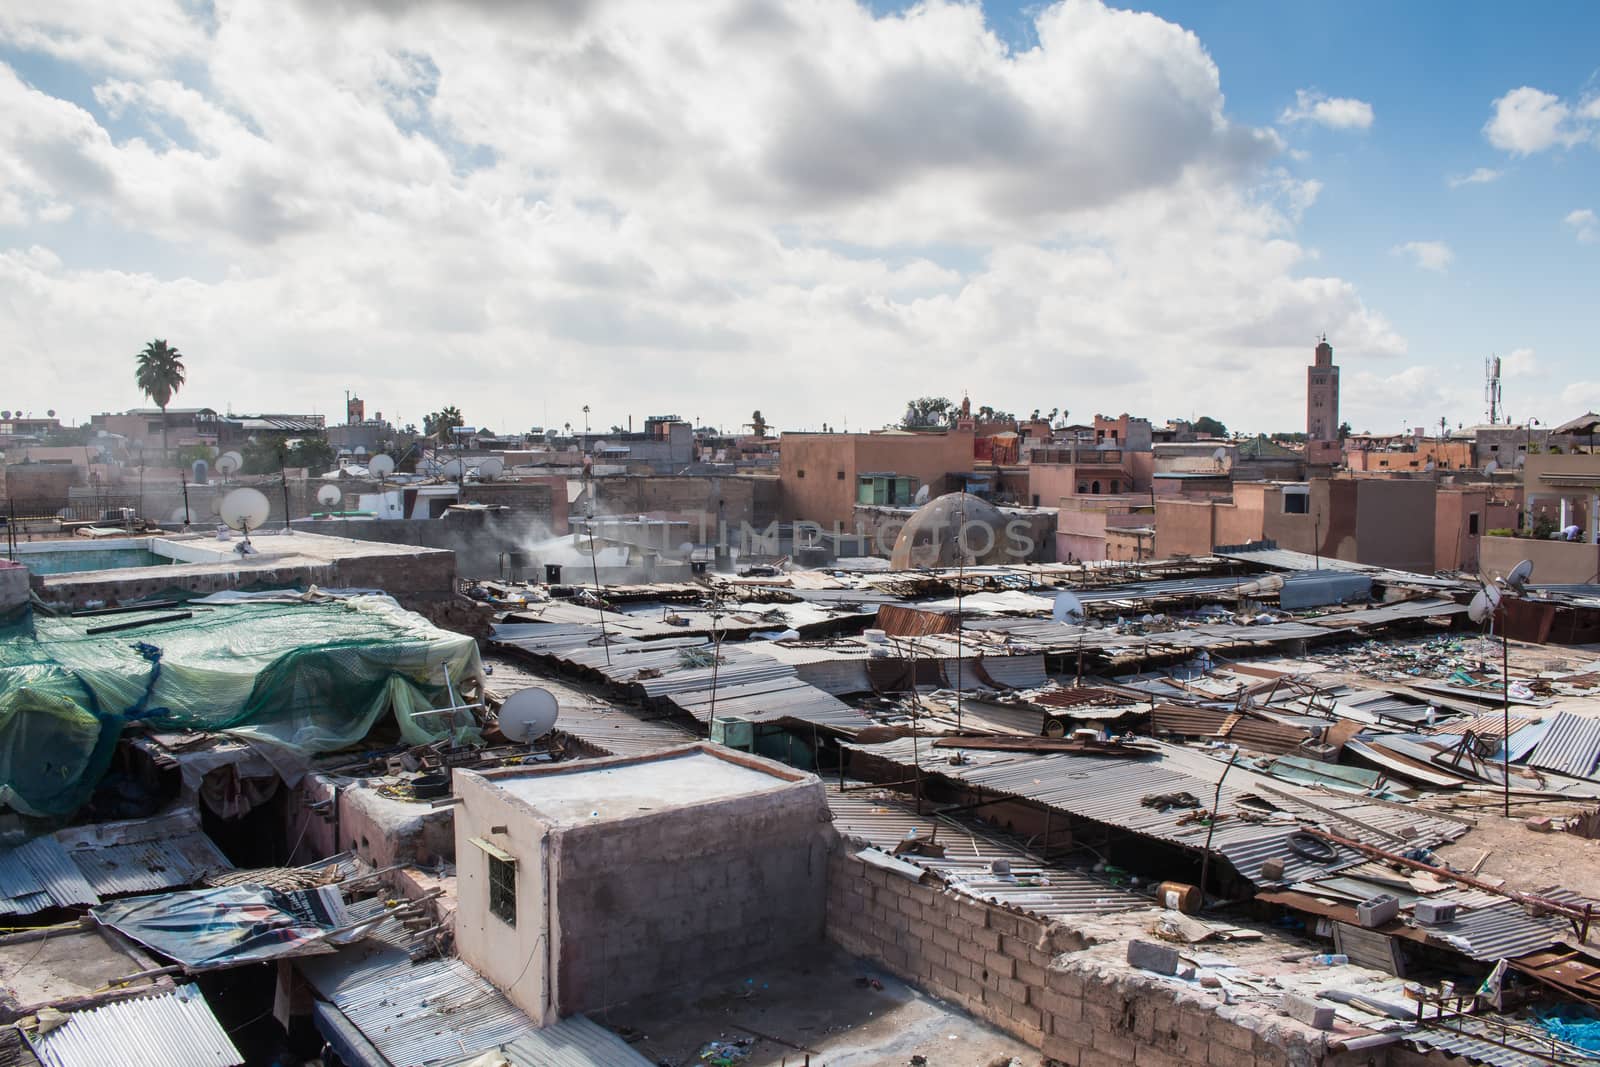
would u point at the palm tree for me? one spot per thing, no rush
(160, 374)
(757, 423)
(440, 423)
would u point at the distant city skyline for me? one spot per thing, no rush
(820, 212)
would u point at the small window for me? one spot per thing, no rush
(1472, 524)
(1116, 486)
(839, 476)
(1082, 488)
(1296, 503)
(1036, 500)
(1494, 448)
(503, 890)
(800, 473)
(1094, 488)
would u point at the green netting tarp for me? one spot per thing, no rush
(301, 677)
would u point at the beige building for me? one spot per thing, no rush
(582, 885)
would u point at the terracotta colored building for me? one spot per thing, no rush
(821, 475)
(1387, 522)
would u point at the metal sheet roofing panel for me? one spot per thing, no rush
(575, 1041)
(1015, 672)
(1570, 746)
(175, 1029)
(53, 872)
(1491, 1041)
(439, 1011)
(1502, 929)
(145, 855)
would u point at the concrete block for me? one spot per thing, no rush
(1306, 1010)
(1377, 911)
(1150, 956)
(1432, 912)
(999, 965)
(1272, 870)
(1539, 824)
(1223, 1032)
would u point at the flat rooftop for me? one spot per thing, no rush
(577, 793)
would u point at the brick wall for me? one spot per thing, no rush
(1008, 969)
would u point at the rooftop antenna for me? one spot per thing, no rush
(1221, 456)
(245, 509)
(382, 465)
(529, 714)
(1490, 467)
(922, 497)
(1488, 606)
(491, 468)
(1068, 608)
(329, 495)
(228, 464)
(1491, 387)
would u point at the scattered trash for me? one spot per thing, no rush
(725, 1053)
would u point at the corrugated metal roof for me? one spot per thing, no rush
(1502, 929)
(436, 1011)
(1110, 791)
(1570, 746)
(778, 700)
(40, 874)
(173, 1029)
(1036, 886)
(143, 855)
(1492, 1041)
(575, 1041)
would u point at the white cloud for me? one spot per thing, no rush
(1585, 395)
(617, 205)
(1335, 112)
(1429, 255)
(1585, 224)
(1480, 176)
(1519, 363)
(1528, 120)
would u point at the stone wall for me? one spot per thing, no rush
(1020, 975)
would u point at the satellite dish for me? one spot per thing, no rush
(1220, 455)
(1068, 608)
(245, 509)
(490, 468)
(1520, 574)
(329, 495)
(921, 497)
(1428, 466)
(1490, 467)
(178, 516)
(50, 414)
(229, 463)
(5, 414)
(529, 714)
(1483, 604)
(381, 464)
(361, 450)
(452, 469)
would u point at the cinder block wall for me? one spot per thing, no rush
(642, 905)
(1003, 967)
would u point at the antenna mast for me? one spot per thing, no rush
(1491, 387)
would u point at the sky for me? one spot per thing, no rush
(819, 209)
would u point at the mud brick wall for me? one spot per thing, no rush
(1020, 975)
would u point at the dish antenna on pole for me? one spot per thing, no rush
(229, 463)
(244, 510)
(1221, 456)
(1484, 604)
(452, 469)
(490, 469)
(329, 495)
(1068, 608)
(1490, 467)
(382, 464)
(1520, 574)
(529, 714)
(921, 497)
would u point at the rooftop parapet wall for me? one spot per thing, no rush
(1007, 969)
